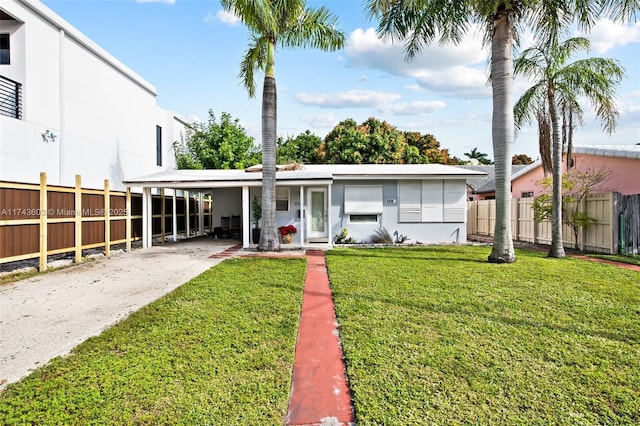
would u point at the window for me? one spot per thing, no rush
(363, 218)
(363, 199)
(5, 57)
(282, 199)
(527, 194)
(432, 201)
(159, 145)
(10, 98)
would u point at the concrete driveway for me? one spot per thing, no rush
(48, 315)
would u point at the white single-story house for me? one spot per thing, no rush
(425, 202)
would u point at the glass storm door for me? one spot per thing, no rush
(317, 213)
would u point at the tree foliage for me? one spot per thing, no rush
(378, 142)
(222, 144)
(521, 159)
(301, 149)
(481, 157)
(576, 185)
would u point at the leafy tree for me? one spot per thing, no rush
(372, 142)
(420, 22)
(429, 150)
(576, 185)
(378, 142)
(557, 89)
(216, 145)
(521, 159)
(301, 149)
(287, 24)
(481, 157)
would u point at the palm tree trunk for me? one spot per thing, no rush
(502, 128)
(557, 248)
(269, 238)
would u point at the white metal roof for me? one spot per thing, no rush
(308, 174)
(620, 151)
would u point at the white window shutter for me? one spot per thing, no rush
(432, 196)
(455, 200)
(363, 199)
(409, 201)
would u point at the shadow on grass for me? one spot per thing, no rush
(459, 310)
(427, 254)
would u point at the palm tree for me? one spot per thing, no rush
(287, 24)
(481, 157)
(420, 22)
(556, 91)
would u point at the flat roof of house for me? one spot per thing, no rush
(307, 174)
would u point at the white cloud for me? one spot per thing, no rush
(606, 35)
(320, 121)
(156, 1)
(348, 99)
(222, 16)
(454, 70)
(227, 17)
(413, 108)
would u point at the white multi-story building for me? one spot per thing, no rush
(67, 107)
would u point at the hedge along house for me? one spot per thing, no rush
(426, 202)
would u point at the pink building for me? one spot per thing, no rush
(623, 162)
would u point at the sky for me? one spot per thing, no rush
(190, 50)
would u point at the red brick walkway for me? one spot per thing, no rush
(319, 392)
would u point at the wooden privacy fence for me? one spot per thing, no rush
(39, 220)
(603, 236)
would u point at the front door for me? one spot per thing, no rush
(317, 225)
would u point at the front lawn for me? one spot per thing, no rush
(624, 258)
(218, 350)
(439, 336)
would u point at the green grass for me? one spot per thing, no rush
(439, 336)
(628, 258)
(218, 350)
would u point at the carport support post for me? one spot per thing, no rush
(162, 216)
(187, 215)
(303, 224)
(329, 225)
(174, 217)
(200, 214)
(147, 220)
(246, 229)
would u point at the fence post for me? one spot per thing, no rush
(107, 219)
(582, 208)
(78, 219)
(43, 222)
(127, 225)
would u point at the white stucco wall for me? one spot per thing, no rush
(424, 232)
(104, 115)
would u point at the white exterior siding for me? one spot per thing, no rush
(104, 116)
(425, 210)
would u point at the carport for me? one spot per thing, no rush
(232, 191)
